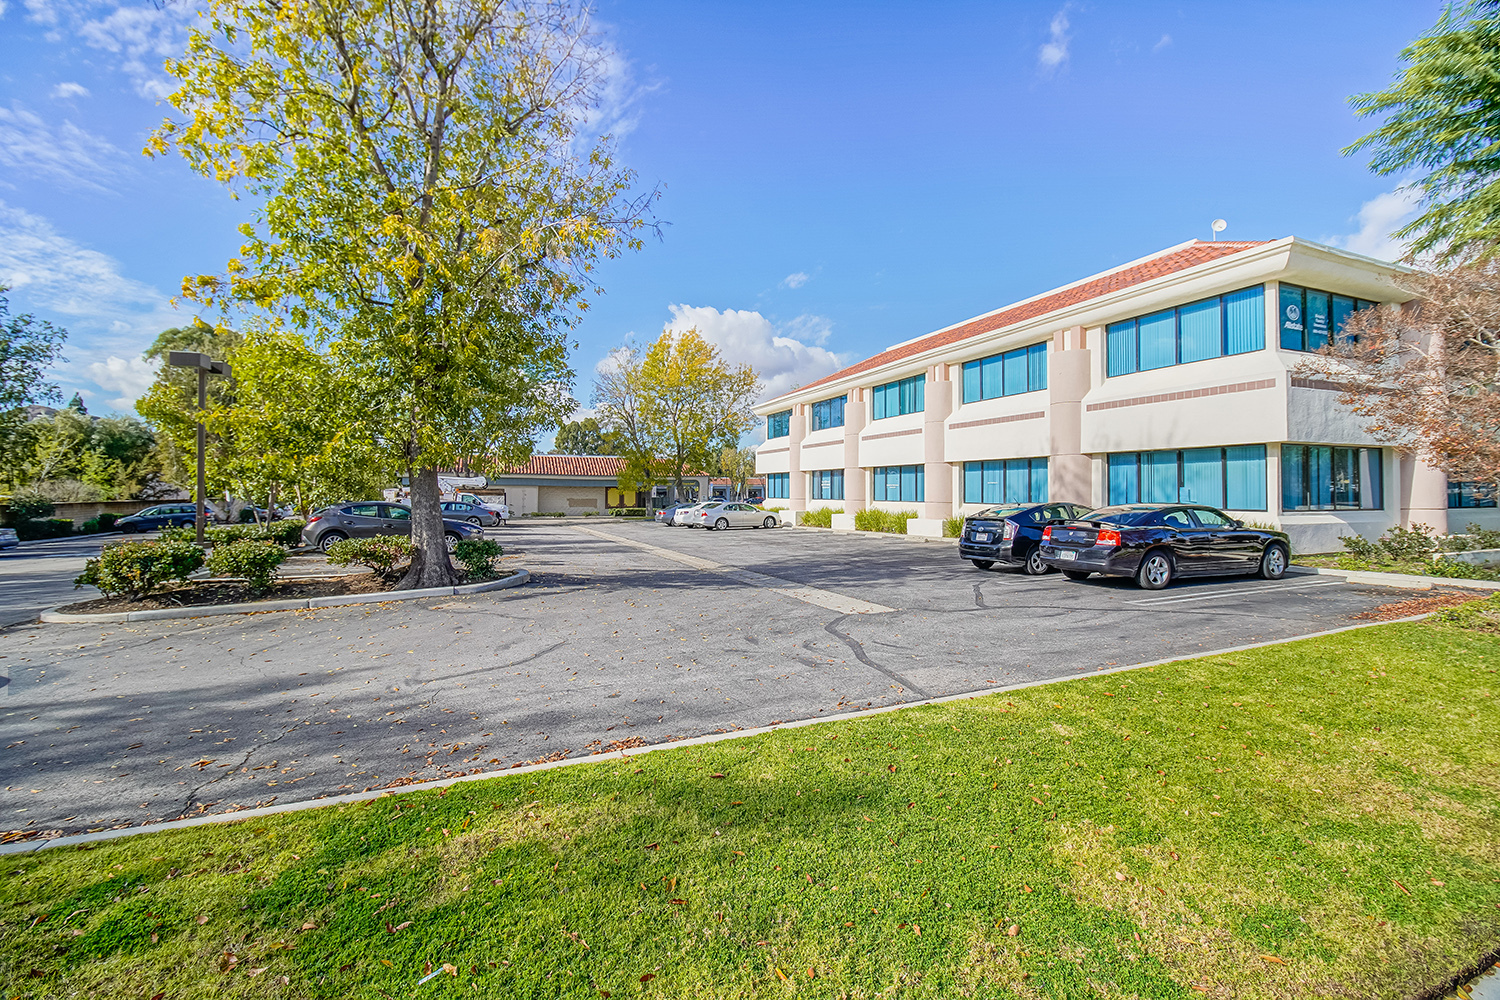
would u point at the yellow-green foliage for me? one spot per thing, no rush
(821, 517)
(891, 522)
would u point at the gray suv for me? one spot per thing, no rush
(366, 520)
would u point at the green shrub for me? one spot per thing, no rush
(890, 522)
(30, 507)
(953, 527)
(107, 521)
(140, 568)
(544, 513)
(1360, 547)
(382, 553)
(821, 517)
(1415, 542)
(186, 534)
(287, 533)
(478, 556)
(629, 512)
(223, 534)
(56, 527)
(1474, 537)
(255, 561)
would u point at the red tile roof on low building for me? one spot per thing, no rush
(1167, 262)
(568, 465)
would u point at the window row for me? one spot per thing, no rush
(1008, 374)
(1308, 316)
(779, 425)
(1015, 480)
(895, 399)
(1319, 477)
(1466, 495)
(1234, 323)
(826, 485)
(828, 413)
(899, 483)
(1230, 478)
(778, 485)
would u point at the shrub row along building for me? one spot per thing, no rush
(1171, 378)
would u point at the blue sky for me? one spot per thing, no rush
(836, 177)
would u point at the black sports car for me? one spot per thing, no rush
(1011, 534)
(1156, 543)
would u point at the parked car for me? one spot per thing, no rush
(1012, 534)
(665, 515)
(459, 510)
(371, 518)
(8, 538)
(683, 516)
(723, 515)
(163, 515)
(1156, 543)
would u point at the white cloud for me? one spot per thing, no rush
(108, 315)
(784, 356)
(67, 91)
(64, 154)
(1378, 218)
(1054, 51)
(3, 7)
(1163, 43)
(795, 280)
(143, 37)
(129, 378)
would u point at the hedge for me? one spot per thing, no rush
(256, 561)
(139, 568)
(890, 522)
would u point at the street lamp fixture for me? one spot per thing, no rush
(205, 367)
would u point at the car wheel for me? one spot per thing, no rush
(982, 563)
(721, 524)
(1075, 574)
(451, 538)
(473, 520)
(770, 522)
(329, 538)
(1273, 561)
(1034, 564)
(1155, 571)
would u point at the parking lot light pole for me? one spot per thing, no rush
(205, 367)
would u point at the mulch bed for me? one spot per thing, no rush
(1419, 605)
(211, 593)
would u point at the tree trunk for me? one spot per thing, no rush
(430, 565)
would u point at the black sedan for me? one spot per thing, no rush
(1156, 543)
(1012, 534)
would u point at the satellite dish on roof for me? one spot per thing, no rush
(1218, 226)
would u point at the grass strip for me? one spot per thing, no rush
(1311, 819)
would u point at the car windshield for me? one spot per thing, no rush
(1005, 510)
(1121, 515)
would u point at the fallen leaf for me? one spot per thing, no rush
(1273, 958)
(1436, 882)
(1036, 800)
(740, 853)
(255, 972)
(917, 930)
(450, 969)
(228, 961)
(202, 919)
(892, 768)
(716, 775)
(781, 975)
(1012, 931)
(652, 847)
(1026, 888)
(736, 803)
(310, 926)
(1400, 886)
(1119, 877)
(387, 963)
(648, 977)
(399, 927)
(811, 974)
(678, 902)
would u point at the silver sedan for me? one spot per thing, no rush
(734, 515)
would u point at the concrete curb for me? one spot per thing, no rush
(54, 617)
(871, 534)
(1406, 581)
(27, 846)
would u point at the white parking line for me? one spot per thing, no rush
(788, 588)
(1208, 595)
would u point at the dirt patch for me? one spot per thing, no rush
(1418, 606)
(209, 594)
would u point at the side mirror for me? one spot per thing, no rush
(1239, 524)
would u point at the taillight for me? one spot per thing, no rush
(1010, 530)
(1108, 536)
(314, 520)
(1047, 533)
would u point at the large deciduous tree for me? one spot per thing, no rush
(28, 348)
(674, 407)
(583, 437)
(1426, 376)
(433, 204)
(170, 405)
(1442, 116)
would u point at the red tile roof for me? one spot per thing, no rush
(1169, 262)
(568, 465)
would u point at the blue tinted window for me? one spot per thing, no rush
(1245, 321)
(1119, 346)
(1157, 336)
(778, 485)
(899, 483)
(1463, 495)
(906, 396)
(1229, 478)
(1316, 319)
(1008, 374)
(1124, 478)
(1293, 329)
(828, 413)
(1016, 480)
(1233, 323)
(1202, 476)
(1321, 477)
(1036, 367)
(990, 382)
(826, 485)
(1245, 477)
(779, 424)
(971, 382)
(1200, 334)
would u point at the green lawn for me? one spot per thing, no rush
(1314, 819)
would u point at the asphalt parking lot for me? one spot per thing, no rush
(630, 634)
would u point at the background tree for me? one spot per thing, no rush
(73, 457)
(674, 408)
(737, 465)
(432, 209)
(1427, 376)
(583, 437)
(28, 348)
(170, 406)
(1443, 116)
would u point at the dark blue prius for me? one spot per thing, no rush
(1156, 543)
(1011, 534)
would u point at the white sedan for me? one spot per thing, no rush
(721, 514)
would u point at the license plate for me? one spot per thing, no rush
(1067, 554)
(981, 536)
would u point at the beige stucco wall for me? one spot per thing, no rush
(571, 499)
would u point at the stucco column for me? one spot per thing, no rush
(1070, 473)
(854, 474)
(1424, 494)
(797, 499)
(938, 406)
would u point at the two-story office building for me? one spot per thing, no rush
(1171, 378)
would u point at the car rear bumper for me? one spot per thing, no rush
(993, 551)
(1108, 561)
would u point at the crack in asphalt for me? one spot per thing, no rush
(859, 652)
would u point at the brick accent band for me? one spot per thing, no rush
(822, 444)
(892, 434)
(1167, 397)
(1012, 418)
(1316, 383)
(775, 451)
